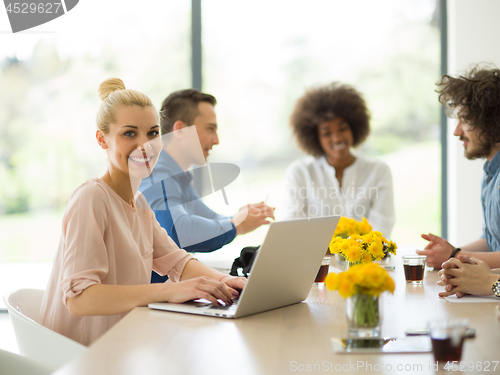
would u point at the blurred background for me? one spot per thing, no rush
(258, 58)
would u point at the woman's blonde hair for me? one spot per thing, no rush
(114, 95)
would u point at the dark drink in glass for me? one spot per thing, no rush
(321, 276)
(414, 274)
(447, 337)
(447, 349)
(323, 271)
(414, 266)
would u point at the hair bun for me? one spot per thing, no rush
(108, 86)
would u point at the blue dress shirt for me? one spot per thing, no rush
(490, 198)
(179, 209)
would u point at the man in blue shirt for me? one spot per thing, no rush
(475, 101)
(169, 190)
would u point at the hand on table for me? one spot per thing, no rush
(464, 275)
(445, 276)
(438, 250)
(252, 216)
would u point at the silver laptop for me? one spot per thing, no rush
(282, 274)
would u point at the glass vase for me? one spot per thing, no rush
(348, 265)
(364, 315)
(340, 261)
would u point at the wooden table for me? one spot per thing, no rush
(294, 339)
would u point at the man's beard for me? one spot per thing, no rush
(480, 150)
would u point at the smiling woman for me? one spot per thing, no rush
(49, 77)
(128, 130)
(111, 240)
(327, 123)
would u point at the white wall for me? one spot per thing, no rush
(473, 36)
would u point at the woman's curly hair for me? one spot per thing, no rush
(327, 103)
(475, 98)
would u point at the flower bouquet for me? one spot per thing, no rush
(347, 227)
(362, 285)
(364, 248)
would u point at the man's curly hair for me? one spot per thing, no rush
(326, 103)
(475, 98)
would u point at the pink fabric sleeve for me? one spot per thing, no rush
(85, 260)
(168, 259)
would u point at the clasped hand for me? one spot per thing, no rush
(463, 275)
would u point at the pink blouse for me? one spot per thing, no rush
(104, 241)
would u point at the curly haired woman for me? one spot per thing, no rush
(328, 122)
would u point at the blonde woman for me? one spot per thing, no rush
(110, 238)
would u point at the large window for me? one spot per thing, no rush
(258, 58)
(49, 100)
(48, 89)
(261, 56)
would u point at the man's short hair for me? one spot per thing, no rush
(327, 103)
(475, 98)
(182, 105)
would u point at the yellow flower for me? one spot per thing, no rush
(391, 247)
(334, 245)
(355, 278)
(355, 237)
(364, 226)
(368, 237)
(334, 248)
(332, 281)
(390, 285)
(344, 246)
(367, 258)
(376, 249)
(346, 288)
(353, 254)
(347, 227)
(369, 278)
(358, 242)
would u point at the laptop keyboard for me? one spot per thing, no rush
(211, 306)
(224, 308)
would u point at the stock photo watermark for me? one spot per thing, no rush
(168, 188)
(321, 192)
(366, 366)
(322, 201)
(26, 14)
